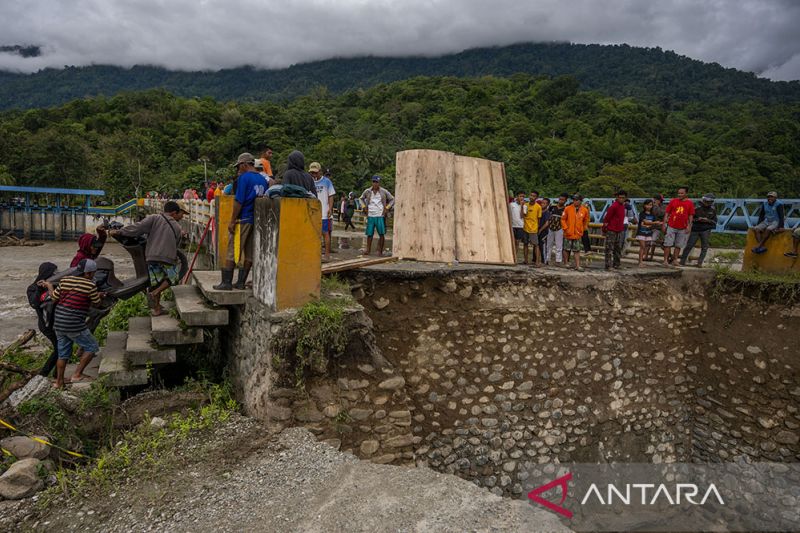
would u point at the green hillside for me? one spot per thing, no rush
(618, 70)
(550, 135)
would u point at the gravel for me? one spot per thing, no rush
(243, 479)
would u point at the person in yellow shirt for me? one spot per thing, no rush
(574, 222)
(532, 215)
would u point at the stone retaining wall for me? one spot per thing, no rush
(492, 372)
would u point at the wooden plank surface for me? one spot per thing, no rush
(349, 264)
(424, 223)
(450, 208)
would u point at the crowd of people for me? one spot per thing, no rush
(553, 232)
(254, 179)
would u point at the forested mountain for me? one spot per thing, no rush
(551, 136)
(617, 70)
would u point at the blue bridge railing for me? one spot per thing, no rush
(734, 215)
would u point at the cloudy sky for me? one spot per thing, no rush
(762, 36)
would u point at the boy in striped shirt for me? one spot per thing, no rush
(74, 296)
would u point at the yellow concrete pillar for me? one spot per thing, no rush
(224, 212)
(773, 260)
(287, 259)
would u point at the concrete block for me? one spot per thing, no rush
(773, 260)
(194, 310)
(206, 279)
(287, 266)
(141, 348)
(113, 365)
(167, 331)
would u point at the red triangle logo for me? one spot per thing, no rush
(560, 482)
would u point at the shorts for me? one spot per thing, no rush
(83, 339)
(658, 235)
(572, 245)
(645, 238)
(246, 244)
(518, 234)
(766, 226)
(160, 272)
(326, 224)
(796, 232)
(530, 238)
(375, 224)
(676, 238)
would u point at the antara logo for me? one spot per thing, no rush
(649, 493)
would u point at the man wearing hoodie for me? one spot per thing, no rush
(250, 185)
(296, 174)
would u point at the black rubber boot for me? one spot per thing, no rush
(227, 278)
(243, 273)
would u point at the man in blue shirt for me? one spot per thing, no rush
(249, 186)
(770, 219)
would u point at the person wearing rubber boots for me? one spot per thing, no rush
(250, 185)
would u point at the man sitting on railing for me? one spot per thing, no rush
(770, 219)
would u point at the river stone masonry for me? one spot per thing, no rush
(490, 372)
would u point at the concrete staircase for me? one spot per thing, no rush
(126, 358)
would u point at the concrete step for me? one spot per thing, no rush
(194, 310)
(167, 331)
(206, 279)
(91, 369)
(113, 365)
(141, 348)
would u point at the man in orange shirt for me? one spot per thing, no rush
(266, 156)
(574, 222)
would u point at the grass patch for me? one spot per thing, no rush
(333, 284)
(762, 286)
(141, 452)
(728, 240)
(48, 414)
(316, 335)
(117, 319)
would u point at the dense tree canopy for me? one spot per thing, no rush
(616, 70)
(550, 135)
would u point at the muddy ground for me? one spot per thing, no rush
(18, 268)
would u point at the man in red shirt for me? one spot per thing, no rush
(678, 221)
(615, 231)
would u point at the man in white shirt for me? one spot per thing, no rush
(377, 202)
(325, 195)
(517, 210)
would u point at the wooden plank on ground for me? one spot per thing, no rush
(350, 264)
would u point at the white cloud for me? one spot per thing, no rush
(759, 36)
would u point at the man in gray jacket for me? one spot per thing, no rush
(163, 237)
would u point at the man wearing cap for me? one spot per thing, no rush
(377, 201)
(73, 297)
(161, 252)
(249, 186)
(326, 195)
(705, 221)
(771, 218)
